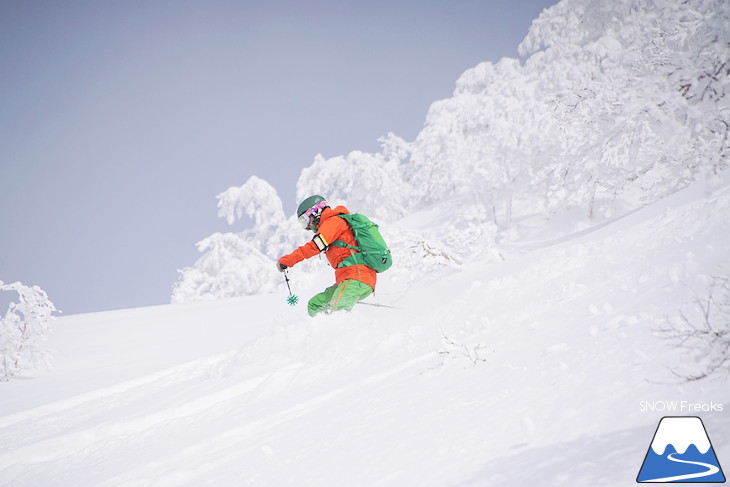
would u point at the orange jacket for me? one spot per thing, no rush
(332, 228)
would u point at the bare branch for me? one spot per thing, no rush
(702, 330)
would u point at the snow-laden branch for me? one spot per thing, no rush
(23, 329)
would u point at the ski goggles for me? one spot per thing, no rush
(304, 217)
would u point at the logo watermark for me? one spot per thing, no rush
(681, 407)
(680, 451)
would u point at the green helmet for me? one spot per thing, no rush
(309, 203)
(311, 206)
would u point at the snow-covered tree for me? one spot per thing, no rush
(258, 200)
(617, 100)
(230, 266)
(640, 92)
(368, 183)
(242, 263)
(23, 329)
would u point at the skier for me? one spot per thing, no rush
(353, 283)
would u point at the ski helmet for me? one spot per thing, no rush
(311, 206)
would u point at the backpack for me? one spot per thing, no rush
(372, 250)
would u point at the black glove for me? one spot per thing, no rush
(280, 267)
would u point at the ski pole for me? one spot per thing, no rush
(292, 299)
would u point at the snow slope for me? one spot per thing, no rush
(527, 372)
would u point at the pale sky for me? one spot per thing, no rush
(120, 121)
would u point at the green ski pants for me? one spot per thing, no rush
(340, 296)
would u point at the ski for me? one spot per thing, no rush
(379, 305)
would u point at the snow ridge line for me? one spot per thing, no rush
(63, 445)
(187, 370)
(60, 445)
(541, 244)
(680, 199)
(226, 446)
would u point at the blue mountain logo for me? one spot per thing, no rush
(681, 452)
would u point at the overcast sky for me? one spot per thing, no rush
(120, 121)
